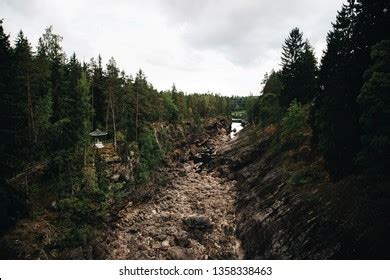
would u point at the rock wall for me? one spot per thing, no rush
(287, 207)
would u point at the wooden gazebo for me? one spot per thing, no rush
(97, 134)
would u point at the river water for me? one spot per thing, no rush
(236, 127)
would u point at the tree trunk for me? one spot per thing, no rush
(113, 117)
(156, 138)
(92, 105)
(108, 111)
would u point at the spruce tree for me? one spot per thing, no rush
(336, 114)
(7, 133)
(127, 108)
(5, 60)
(299, 69)
(84, 114)
(72, 103)
(142, 106)
(335, 124)
(21, 89)
(112, 88)
(49, 43)
(272, 83)
(374, 101)
(97, 93)
(178, 100)
(307, 73)
(44, 102)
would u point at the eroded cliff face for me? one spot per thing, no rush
(288, 208)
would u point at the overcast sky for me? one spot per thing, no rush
(219, 46)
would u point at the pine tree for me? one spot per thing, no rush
(335, 124)
(307, 74)
(374, 101)
(142, 105)
(371, 25)
(298, 73)
(111, 91)
(336, 113)
(44, 101)
(5, 60)
(171, 113)
(49, 44)
(76, 98)
(272, 83)
(7, 133)
(127, 108)
(21, 88)
(174, 94)
(69, 106)
(178, 100)
(84, 113)
(97, 92)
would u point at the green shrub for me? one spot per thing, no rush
(150, 156)
(89, 178)
(77, 209)
(171, 111)
(292, 126)
(76, 237)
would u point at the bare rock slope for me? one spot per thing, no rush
(287, 207)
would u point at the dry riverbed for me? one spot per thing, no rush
(193, 217)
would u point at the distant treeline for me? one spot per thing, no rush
(347, 95)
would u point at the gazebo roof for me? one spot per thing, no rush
(98, 133)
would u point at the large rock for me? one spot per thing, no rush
(183, 240)
(175, 253)
(198, 223)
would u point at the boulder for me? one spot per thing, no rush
(200, 223)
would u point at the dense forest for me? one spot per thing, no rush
(346, 95)
(330, 130)
(50, 103)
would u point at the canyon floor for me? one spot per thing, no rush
(193, 217)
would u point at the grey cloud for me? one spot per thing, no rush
(27, 8)
(245, 30)
(219, 45)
